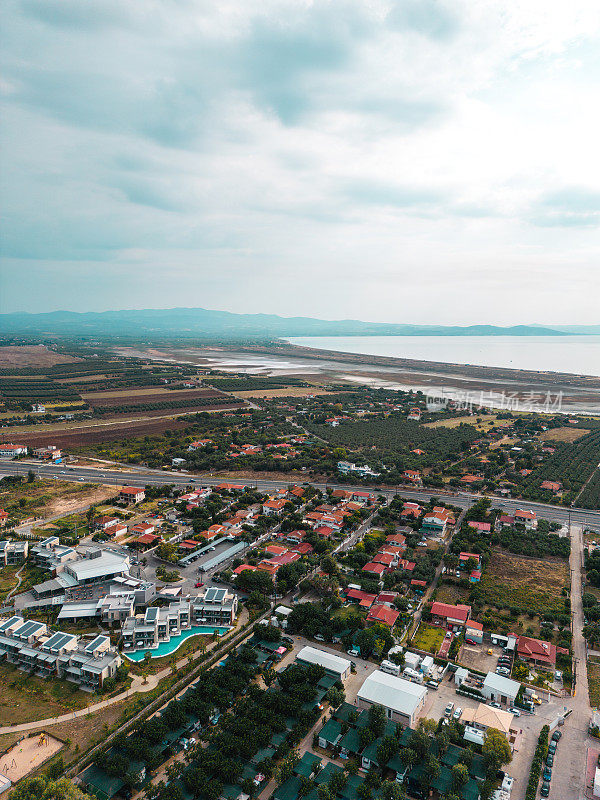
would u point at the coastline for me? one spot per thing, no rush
(579, 393)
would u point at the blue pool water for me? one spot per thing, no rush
(166, 648)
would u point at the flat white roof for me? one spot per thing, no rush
(324, 659)
(501, 685)
(391, 692)
(106, 564)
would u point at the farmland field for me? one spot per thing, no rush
(531, 584)
(20, 356)
(146, 395)
(563, 434)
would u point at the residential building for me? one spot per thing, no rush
(132, 495)
(477, 721)
(452, 617)
(3, 517)
(384, 614)
(49, 453)
(31, 647)
(526, 518)
(12, 450)
(402, 699)
(473, 632)
(536, 652)
(13, 552)
(215, 607)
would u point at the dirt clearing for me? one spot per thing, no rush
(38, 355)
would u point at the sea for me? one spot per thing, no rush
(575, 354)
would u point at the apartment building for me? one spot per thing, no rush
(214, 607)
(31, 647)
(13, 552)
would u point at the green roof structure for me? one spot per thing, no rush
(344, 712)
(331, 732)
(350, 741)
(100, 783)
(308, 764)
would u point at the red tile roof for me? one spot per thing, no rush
(448, 611)
(384, 614)
(544, 652)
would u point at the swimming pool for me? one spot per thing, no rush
(166, 648)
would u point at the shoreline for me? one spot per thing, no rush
(579, 393)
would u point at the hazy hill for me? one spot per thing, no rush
(201, 322)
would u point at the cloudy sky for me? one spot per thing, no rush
(394, 160)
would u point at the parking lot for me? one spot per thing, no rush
(475, 656)
(527, 725)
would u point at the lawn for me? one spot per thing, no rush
(593, 673)
(428, 638)
(533, 585)
(26, 698)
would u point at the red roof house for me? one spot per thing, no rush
(380, 613)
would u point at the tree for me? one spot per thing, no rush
(43, 788)
(432, 769)
(335, 697)
(324, 793)
(387, 749)
(30, 476)
(377, 719)
(496, 749)
(391, 790)
(460, 776)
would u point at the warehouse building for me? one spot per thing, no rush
(332, 664)
(402, 699)
(502, 690)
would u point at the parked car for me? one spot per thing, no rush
(503, 671)
(556, 736)
(552, 748)
(457, 713)
(199, 583)
(515, 711)
(432, 684)
(547, 773)
(545, 790)
(494, 705)
(448, 709)
(549, 760)
(319, 637)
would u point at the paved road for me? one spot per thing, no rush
(568, 774)
(142, 476)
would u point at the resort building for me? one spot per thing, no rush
(13, 552)
(31, 647)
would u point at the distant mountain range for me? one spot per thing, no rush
(194, 323)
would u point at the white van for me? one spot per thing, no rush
(390, 668)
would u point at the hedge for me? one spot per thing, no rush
(536, 765)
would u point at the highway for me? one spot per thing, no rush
(142, 476)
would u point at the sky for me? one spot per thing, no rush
(425, 161)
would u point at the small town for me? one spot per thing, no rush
(299, 400)
(258, 606)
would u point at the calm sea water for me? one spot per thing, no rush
(575, 354)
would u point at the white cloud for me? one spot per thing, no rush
(414, 160)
